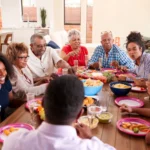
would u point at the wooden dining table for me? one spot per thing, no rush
(108, 133)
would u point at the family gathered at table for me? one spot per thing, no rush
(26, 70)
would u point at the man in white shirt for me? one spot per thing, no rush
(43, 60)
(62, 108)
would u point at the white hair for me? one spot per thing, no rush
(73, 32)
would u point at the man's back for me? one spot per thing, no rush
(52, 137)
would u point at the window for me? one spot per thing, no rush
(72, 12)
(29, 10)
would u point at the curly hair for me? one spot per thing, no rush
(8, 66)
(137, 38)
(14, 49)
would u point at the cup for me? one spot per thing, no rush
(64, 71)
(30, 96)
(100, 63)
(86, 60)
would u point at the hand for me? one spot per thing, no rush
(123, 68)
(125, 108)
(121, 77)
(148, 87)
(94, 66)
(115, 64)
(83, 131)
(73, 53)
(140, 82)
(72, 71)
(147, 138)
(53, 76)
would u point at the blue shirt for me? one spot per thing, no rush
(4, 96)
(143, 70)
(115, 54)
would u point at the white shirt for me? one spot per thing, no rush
(52, 137)
(24, 82)
(46, 65)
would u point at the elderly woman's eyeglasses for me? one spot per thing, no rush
(23, 57)
(104, 32)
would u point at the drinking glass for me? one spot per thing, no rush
(76, 63)
(30, 96)
(86, 60)
(100, 63)
(64, 71)
(148, 82)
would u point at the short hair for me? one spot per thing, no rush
(8, 66)
(73, 32)
(63, 99)
(106, 32)
(34, 36)
(14, 49)
(137, 38)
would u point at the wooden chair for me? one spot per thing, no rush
(8, 39)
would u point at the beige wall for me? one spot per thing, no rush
(121, 17)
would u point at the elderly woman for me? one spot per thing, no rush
(135, 48)
(74, 51)
(17, 54)
(6, 73)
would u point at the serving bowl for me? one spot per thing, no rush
(92, 90)
(118, 90)
(104, 117)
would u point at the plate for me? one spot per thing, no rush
(125, 74)
(112, 70)
(132, 120)
(19, 126)
(129, 101)
(35, 103)
(138, 89)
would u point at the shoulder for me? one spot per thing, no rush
(83, 48)
(99, 48)
(7, 85)
(146, 56)
(66, 48)
(14, 140)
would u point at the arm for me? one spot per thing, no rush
(65, 56)
(10, 95)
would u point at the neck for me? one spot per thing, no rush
(19, 69)
(138, 61)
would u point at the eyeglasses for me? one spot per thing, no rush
(104, 32)
(23, 57)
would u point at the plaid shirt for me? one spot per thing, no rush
(114, 54)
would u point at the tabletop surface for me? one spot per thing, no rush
(108, 133)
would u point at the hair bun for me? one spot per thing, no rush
(134, 36)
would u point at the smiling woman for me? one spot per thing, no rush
(6, 72)
(17, 53)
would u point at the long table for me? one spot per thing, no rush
(108, 133)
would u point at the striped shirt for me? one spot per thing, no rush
(115, 54)
(143, 69)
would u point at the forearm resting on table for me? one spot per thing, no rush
(142, 111)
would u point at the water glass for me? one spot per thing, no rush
(76, 63)
(64, 71)
(30, 96)
(86, 60)
(100, 63)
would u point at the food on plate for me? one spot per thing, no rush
(90, 82)
(108, 75)
(88, 101)
(121, 86)
(89, 121)
(135, 127)
(41, 112)
(8, 131)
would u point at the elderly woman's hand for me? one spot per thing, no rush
(73, 53)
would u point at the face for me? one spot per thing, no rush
(38, 47)
(21, 61)
(75, 42)
(3, 73)
(134, 51)
(107, 41)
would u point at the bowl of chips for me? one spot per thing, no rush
(120, 88)
(92, 87)
(88, 101)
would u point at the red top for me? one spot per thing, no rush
(80, 57)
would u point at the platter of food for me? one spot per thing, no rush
(133, 126)
(11, 128)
